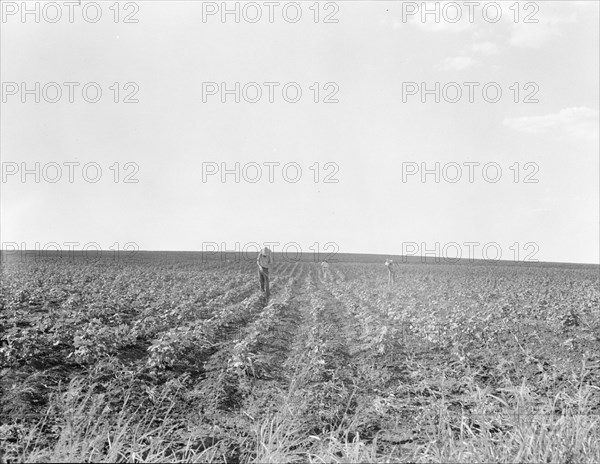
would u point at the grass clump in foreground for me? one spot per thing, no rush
(83, 424)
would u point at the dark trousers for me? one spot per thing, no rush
(391, 277)
(263, 277)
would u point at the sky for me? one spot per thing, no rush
(362, 160)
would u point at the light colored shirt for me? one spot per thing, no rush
(264, 260)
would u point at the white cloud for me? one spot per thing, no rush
(458, 63)
(579, 122)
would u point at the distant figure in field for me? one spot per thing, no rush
(263, 261)
(391, 267)
(325, 269)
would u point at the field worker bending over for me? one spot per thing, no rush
(391, 267)
(264, 260)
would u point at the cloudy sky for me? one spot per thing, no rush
(508, 155)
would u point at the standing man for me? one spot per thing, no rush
(325, 269)
(391, 267)
(264, 260)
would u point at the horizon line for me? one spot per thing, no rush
(423, 259)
